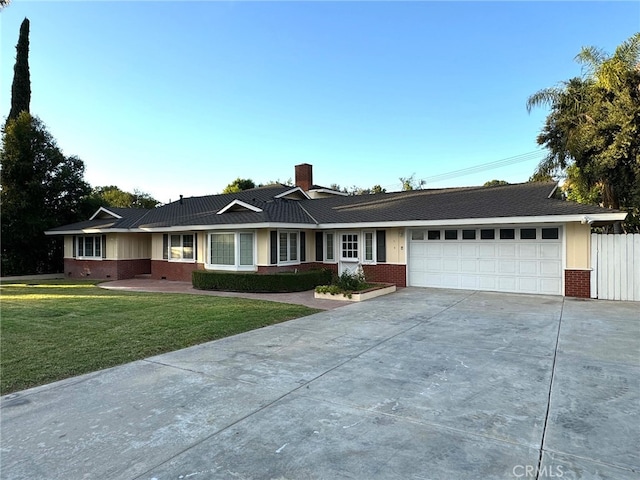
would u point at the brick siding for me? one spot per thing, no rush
(388, 273)
(106, 269)
(176, 271)
(577, 283)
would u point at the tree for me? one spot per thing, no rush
(21, 86)
(238, 185)
(41, 189)
(411, 183)
(594, 125)
(495, 183)
(113, 196)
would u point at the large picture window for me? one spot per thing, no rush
(231, 251)
(89, 246)
(181, 247)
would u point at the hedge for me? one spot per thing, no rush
(260, 283)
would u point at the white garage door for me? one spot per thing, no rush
(520, 259)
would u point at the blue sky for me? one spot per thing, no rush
(183, 97)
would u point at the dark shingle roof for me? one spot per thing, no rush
(503, 201)
(516, 200)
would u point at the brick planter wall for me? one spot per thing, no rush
(577, 283)
(389, 273)
(106, 269)
(176, 271)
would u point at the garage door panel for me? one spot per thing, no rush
(468, 265)
(528, 251)
(528, 267)
(509, 265)
(549, 251)
(487, 265)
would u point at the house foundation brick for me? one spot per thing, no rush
(176, 271)
(387, 273)
(577, 283)
(106, 269)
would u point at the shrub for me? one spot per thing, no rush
(260, 283)
(352, 281)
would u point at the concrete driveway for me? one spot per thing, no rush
(420, 384)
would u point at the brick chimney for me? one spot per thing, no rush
(304, 176)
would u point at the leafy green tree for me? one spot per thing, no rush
(113, 196)
(411, 183)
(594, 124)
(238, 185)
(495, 183)
(21, 86)
(41, 189)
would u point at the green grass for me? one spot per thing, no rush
(57, 329)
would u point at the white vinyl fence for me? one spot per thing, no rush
(615, 260)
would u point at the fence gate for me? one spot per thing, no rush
(615, 260)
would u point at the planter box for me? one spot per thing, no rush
(359, 296)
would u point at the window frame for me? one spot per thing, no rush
(97, 240)
(353, 241)
(182, 247)
(237, 251)
(373, 258)
(326, 251)
(288, 250)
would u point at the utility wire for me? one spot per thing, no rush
(537, 155)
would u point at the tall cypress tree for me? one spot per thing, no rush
(21, 86)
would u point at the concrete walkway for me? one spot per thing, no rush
(167, 286)
(420, 384)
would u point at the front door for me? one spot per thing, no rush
(349, 252)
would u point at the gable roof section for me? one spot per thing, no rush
(530, 200)
(114, 219)
(262, 207)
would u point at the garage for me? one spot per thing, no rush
(518, 259)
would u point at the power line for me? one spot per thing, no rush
(537, 155)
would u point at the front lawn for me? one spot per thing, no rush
(58, 329)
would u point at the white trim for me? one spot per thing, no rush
(182, 259)
(102, 209)
(335, 258)
(241, 204)
(236, 267)
(374, 257)
(293, 190)
(329, 191)
(289, 262)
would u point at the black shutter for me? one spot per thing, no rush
(274, 247)
(319, 247)
(381, 246)
(75, 241)
(303, 246)
(165, 246)
(195, 246)
(104, 246)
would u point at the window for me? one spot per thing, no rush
(487, 234)
(468, 234)
(549, 233)
(450, 234)
(181, 247)
(369, 246)
(527, 234)
(231, 251)
(329, 252)
(433, 234)
(89, 246)
(417, 234)
(350, 246)
(288, 247)
(507, 234)
(246, 248)
(222, 249)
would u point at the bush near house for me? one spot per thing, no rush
(260, 283)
